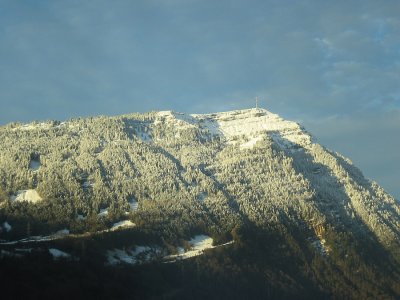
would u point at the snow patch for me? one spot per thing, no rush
(179, 121)
(103, 212)
(209, 124)
(7, 227)
(57, 254)
(165, 113)
(251, 143)
(33, 126)
(199, 243)
(27, 195)
(123, 224)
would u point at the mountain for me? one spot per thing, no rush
(138, 190)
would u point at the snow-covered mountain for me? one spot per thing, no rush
(168, 186)
(221, 165)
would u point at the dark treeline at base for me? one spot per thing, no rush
(262, 264)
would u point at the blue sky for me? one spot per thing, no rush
(332, 65)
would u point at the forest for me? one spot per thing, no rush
(304, 221)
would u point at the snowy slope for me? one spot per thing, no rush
(253, 124)
(343, 194)
(220, 166)
(250, 125)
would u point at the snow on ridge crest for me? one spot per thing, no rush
(253, 124)
(176, 119)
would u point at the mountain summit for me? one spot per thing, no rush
(165, 177)
(252, 124)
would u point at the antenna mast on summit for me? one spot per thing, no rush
(256, 102)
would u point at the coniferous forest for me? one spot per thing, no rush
(114, 208)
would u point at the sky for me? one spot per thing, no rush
(333, 66)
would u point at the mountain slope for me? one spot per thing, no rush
(248, 162)
(175, 176)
